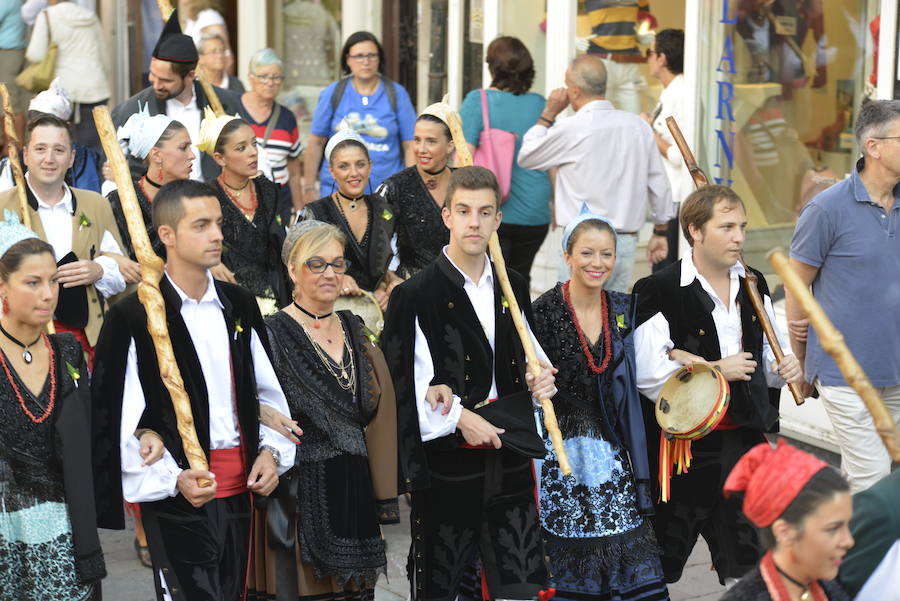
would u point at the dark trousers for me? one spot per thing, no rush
(672, 239)
(202, 552)
(697, 506)
(520, 243)
(480, 504)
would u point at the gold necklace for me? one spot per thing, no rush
(345, 380)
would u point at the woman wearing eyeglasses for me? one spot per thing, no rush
(319, 537)
(365, 220)
(276, 130)
(363, 100)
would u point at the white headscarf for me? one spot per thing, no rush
(142, 131)
(342, 135)
(53, 101)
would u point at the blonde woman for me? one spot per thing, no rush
(321, 528)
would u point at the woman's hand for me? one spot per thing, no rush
(685, 358)
(220, 272)
(281, 423)
(152, 447)
(350, 287)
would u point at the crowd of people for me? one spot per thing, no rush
(330, 334)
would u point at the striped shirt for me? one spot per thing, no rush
(613, 25)
(283, 144)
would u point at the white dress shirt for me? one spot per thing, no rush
(652, 339)
(190, 116)
(433, 424)
(206, 325)
(58, 221)
(673, 103)
(607, 158)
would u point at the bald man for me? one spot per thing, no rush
(606, 158)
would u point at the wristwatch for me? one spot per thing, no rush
(275, 454)
(661, 231)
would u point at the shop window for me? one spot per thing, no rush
(307, 36)
(780, 84)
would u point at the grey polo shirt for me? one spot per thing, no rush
(854, 243)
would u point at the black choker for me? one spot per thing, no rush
(26, 354)
(150, 181)
(351, 202)
(804, 592)
(438, 172)
(302, 310)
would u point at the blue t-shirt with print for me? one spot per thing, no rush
(529, 191)
(381, 128)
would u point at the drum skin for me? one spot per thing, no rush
(692, 401)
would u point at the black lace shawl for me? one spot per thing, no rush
(252, 249)
(337, 529)
(421, 233)
(146, 211)
(369, 258)
(51, 461)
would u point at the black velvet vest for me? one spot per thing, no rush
(688, 310)
(462, 357)
(127, 321)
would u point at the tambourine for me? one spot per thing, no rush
(366, 307)
(691, 404)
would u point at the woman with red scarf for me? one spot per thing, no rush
(802, 508)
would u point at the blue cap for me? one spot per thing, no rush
(584, 215)
(12, 231)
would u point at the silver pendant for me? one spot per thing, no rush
(352, 205)
(26, 356)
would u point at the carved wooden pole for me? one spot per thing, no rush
(12, 149)
(149, 293)
(833, 342)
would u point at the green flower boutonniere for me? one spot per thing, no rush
(83, 222)
(278, 219)
(238, 328)
(504, 303)
(73, 373)
(620, 321)
(387, 215)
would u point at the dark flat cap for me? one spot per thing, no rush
(174, 46)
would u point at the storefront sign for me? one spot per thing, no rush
(724, 100)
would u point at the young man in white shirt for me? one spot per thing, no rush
(78, 224)
(199, 537)
(465, 414)
(697, 310)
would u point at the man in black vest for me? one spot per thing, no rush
(198, 537)
(466, 422)
(696, 310)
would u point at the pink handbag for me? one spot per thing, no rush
(496, 149)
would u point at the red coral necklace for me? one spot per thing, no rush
(18, 393)
(607, 344)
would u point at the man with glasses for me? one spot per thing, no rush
(846, 246)
(173, 91)
(276, 130)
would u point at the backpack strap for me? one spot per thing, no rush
(389, 88)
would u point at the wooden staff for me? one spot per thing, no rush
(12, 149)
(464, 159)
(165, 9)
(750, 279)
(214, 103)
(833, 342)
(149, 293)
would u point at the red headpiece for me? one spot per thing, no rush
(771, 478)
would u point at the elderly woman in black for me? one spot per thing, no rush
(320, 536)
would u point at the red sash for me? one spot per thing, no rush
(231, 474)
